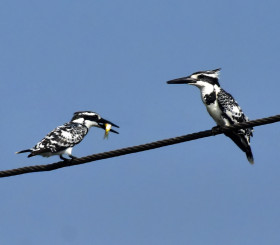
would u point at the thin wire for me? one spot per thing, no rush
(134, 149)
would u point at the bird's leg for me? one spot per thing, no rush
(63, 158)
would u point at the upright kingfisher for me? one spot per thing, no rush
(63, 138)
(221, 106)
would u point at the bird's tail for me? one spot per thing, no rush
(241, 141)
(249, 155)
(19, 152)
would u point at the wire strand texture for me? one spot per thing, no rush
(138, 148)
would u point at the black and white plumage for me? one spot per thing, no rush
(221, 106)
(63, 138)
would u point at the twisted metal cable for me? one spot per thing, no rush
(134, 149)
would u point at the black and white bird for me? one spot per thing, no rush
(62, 139)
(221, 106)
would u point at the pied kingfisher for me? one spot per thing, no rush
(221, 106)
(63, 138)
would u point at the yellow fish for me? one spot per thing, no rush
(107, 130)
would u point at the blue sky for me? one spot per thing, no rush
(114, 57)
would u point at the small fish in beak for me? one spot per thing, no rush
(107, 130)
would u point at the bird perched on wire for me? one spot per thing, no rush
(221, 106)
(62, 139)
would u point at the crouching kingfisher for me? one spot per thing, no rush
(62, 139)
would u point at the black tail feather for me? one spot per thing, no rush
(242, 143)
(249, 155)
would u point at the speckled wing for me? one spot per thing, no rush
(232, 111)
(61, 138)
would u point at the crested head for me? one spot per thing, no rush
(200, 79)
(209, 76)
(88, 118)
(92, 119)
(211, 73)
(87, 115)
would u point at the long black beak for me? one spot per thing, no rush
(102, 124)
(182, 80)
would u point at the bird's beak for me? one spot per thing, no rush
(182, 80)
(106, 125)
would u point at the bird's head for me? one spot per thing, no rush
(200, 79)
(92, 119)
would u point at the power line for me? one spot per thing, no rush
(134, 149)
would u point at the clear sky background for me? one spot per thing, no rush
(114, 57)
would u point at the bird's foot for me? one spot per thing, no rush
(216, 130)
(72, 157)
(64, 159)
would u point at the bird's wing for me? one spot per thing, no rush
(232, 111)
(61, 138)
